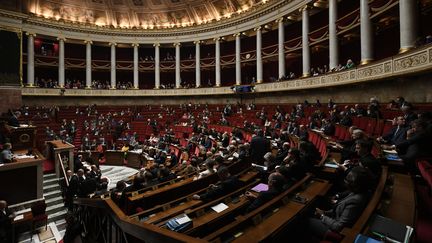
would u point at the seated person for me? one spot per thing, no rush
(347, 209)
(117, 192)
(276, 184)
(363, 158)
(6, 156)
(397, 134)
(6, 217)
(296, 164)
(210, 163)
(226, 184)
(418, 142)
(165, 174)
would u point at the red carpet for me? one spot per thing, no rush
(424, 214)
(48, 166)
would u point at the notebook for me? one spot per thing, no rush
(260, 187)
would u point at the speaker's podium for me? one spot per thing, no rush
(60, 149)
(22, 180)
(23, 137)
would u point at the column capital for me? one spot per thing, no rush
(281, 19)
(237, 34)
(217, 39)
(31, 34)
(177, 44)
(135, 44)
(198, 42)
(61, 38)
(257, 28)
(156, 44)
(112, 44)
(304, 8)
(88, 42)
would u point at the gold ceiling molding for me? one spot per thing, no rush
(276, 8)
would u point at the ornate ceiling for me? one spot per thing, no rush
(134, 13)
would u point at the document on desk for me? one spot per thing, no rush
(390, 151)
(220, 207)
(19, 217)
(183, 219)
(260, 187)
(331, 165)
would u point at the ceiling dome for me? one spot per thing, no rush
(135, 13)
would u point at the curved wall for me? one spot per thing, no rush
(415, 89)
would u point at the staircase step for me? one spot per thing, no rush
(49, 176)
(51, 194)
(55, 208)
(50, 181)
(50, 188)
(54, 200)
(57, 215)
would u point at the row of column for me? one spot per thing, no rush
(408, 35)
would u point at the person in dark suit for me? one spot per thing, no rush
(71, 190)
(347, 209)
(296, 164)
(88, 186)
(276, 184)
(259, 146)
(397, 134)
(13, 119)
(282, 153)
(6, 217)
(227, 184)
(95, 173)
(408, 113)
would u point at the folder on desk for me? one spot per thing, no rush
(260, 187)
(390, 230)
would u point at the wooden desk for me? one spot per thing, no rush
(277, 221)
(114, 157)
(277, 213)
(28, 217)
(21, 223)
(22, 180)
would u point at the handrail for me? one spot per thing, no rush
(144, 232)
(63, 170)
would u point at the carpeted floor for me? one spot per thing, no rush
(424, 214)
(48, 166)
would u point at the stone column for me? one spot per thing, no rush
(408, 24)
(281, 47)
(259, 68)
(177, 65)
(88, 64)
(333, 39)
(217, 62)
(366, 33)
(197, 64)
(135, 66)
(238, 58)
(157, 65)
(305, 42)
(61, 68)
(30, 60)
(113, 64)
